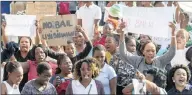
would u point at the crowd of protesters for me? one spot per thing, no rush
(101, 58)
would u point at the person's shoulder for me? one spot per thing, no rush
(51, 85)
(171, 91)
(108, 67)
(98, 83)
(30, 82)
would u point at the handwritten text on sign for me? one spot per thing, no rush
(58, 29)
(147, 21)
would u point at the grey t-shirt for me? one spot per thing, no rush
(138, 62)
(30, 89)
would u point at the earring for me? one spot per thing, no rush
(173, 80)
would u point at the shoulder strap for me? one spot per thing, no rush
(140, 62)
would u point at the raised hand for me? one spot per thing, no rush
(79, 28)
(172, 26)
(3, 26)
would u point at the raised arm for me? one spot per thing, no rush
(177, 12)
(124, 54)
(168, 56)
(38, 31)
(5, 38)
(88, 47)
(25, 66)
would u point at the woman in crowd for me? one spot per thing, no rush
(12, 78)
(155, 80)
(41, 84)
(179, 77)
(182, 37)
(189, 58)
(82, 46)
(64, 70)
(130, 44)
(107, 75)
(124, 71)
(142, 39)
(30, 66)
(86, 70)
(148, 59)
(108, 28)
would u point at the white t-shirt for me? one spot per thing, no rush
(88, 15)
(180, 58)
(11, 90)
(78, 88)
(107, 73)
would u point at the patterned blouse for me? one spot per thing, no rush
(30, 89)
(125, 72)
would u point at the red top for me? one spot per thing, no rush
(101, 41)
(32, 74)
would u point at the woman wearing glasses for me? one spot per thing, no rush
(84, 82)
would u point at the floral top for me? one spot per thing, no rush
(125, 72)
(29, 88)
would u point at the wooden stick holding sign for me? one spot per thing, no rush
(56, 30)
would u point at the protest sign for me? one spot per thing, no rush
(20, 25)
(58, 29)
(139, 87)
(148, 21)
(17, 6)
(41, 9)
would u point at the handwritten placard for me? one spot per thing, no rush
(20, 25)
(58, 29)
(41, 9)
(148, 21)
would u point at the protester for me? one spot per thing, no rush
(187, 26)
(64, 70)
(89, 22)
(107, 75)
(182, 37)
(41, 84)
(179, 77)
(149, 50)
(82, 44)
(155, 80)
(12, 78)
(130, 44)
(108, 28)
(142, 40)
(63, 74)
(124, 71)
(86, 70)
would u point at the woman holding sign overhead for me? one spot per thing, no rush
(148, 60)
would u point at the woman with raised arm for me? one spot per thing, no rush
(148, 60)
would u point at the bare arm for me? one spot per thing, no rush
(25, 66)
(177, 14)
(113, 84)
(38, 31)
(5, 38)
(3, 89)
(79, 22)
(168, 56)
